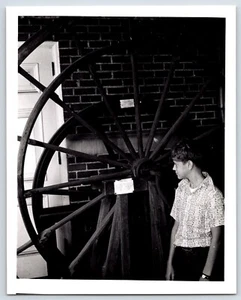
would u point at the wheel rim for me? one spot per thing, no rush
(139, 163)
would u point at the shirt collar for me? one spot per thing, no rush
(207, 181)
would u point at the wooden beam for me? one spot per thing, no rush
(122, 203)
(95, 262)
(113, 251)
(155, 220)
(96, 234)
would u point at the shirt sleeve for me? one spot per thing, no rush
(216, 212)
(174, 212)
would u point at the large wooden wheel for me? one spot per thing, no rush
(110, 250)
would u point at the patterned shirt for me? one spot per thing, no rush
(197, 211)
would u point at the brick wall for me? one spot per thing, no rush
(201, 50)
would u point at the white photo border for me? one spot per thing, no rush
(123, 287)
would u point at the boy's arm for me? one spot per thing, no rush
(170, 271)
(213, 250)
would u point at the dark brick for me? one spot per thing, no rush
(147, 125)
(178, 88)
(90, 98)
(72, 175)
(206, 115)
(104, 75)
(86, 174)
(145, 59)
(81, 75)
(205, 101)
(184, 73)
(65, 60)
(111, 67)
(104, 59)
(149, 89)
(72, 99)
(121, 59)
(116, 29)
(117, 90)
(99, 44)
(153, 67)
(111, 82)
(162, 58)
(67, 52)
(80, 28)
(210, 122)
(90, 36)
(79, 106)
(87, 83)
(188, 65)
(199, 73)
(78, 44)
(191, 80)
(161, 73)
(127, 67)
(111, 36)
(94, 166)
(211, 107)
(77, 167)
(175, 80)
(123, 74)
(194, 87)
(67, 91)
(98, 29)
(84, 91)
(129, 82)
(71, 159)
(28, 29)
(69, 83)
(175, 95)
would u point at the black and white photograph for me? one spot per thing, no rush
(123, 169)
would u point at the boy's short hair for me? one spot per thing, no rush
(187, 150)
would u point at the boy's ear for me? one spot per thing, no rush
(189, 164)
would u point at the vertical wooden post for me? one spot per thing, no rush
(122, 203)
(96, 251)
(110, 265)
(158, 265)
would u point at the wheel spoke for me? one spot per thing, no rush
(159, 108)
(207, 133)
(177, 124)
(58, 101)
(137, 105)
(83, 155)
(197, 138)
(24, 247)
(46, 234)
(112, 113)
(91, 179)
(90, 242)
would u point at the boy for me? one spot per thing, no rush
(198, 211)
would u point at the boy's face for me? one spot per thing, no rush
(181, 169)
